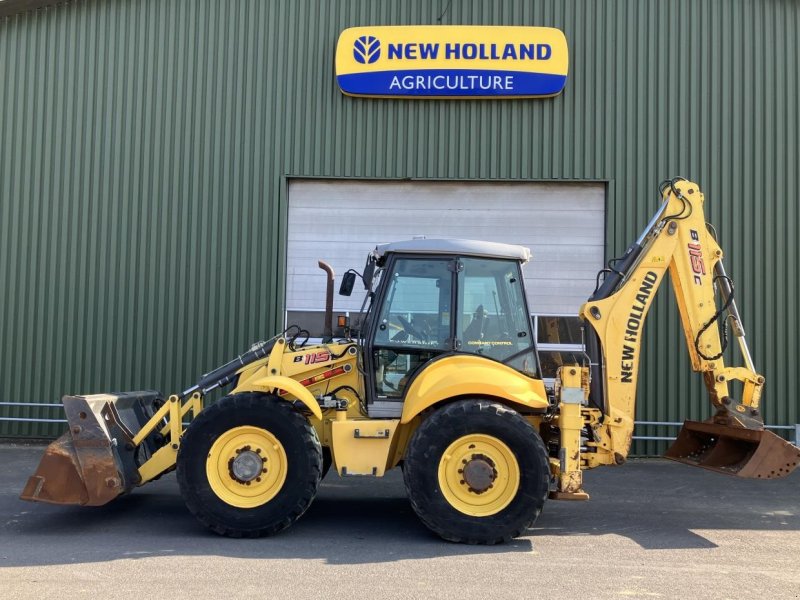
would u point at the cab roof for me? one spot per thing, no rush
(456, 247)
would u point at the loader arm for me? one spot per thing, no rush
(677, 240)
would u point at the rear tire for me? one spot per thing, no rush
(275, 478)
(476, 472)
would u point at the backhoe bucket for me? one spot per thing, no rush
(95, 461)
(750, 453)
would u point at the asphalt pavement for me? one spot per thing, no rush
(652, 529)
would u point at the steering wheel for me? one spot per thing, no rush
(411, 330)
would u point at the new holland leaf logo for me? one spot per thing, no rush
(367, 49)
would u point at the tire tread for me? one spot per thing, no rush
(241, 402)
(423, 446)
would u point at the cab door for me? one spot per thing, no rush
(492, 317)
(413, 324)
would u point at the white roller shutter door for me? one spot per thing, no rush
(340, 221)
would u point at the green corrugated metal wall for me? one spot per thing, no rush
(145, 146)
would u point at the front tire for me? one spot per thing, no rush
(476, 472)
(249, 465)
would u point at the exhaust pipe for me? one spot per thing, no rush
(327, 334)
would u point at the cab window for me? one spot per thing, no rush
(492, 319)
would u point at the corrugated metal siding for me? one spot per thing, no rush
(145, 145)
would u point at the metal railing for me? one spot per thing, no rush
(795, 428)
(657, 438)
(33, 405)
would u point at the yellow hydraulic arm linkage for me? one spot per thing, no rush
(678, 238)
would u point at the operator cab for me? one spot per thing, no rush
(435, 298)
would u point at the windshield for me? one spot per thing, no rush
(416, 307)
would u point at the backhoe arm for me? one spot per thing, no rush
(679, 240)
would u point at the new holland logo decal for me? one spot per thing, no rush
(366, 49)
(452, 61)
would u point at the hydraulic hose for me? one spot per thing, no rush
(223, 375)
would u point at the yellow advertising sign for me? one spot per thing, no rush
(452, 61)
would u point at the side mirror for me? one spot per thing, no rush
(348, 281)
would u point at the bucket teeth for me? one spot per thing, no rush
(748, 453)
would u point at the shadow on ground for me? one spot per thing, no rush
(656, 504)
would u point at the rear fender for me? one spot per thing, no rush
(280, 383)
(466, 375)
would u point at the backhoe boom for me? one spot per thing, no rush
(677, 239)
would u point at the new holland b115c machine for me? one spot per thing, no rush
(443, 379)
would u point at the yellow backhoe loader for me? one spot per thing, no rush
(442, 379)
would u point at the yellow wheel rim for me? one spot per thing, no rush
(246, 466)
(478, 475)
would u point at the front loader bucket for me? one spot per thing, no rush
(750, 453)
(95, 461)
